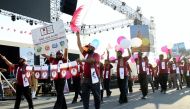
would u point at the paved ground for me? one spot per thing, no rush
(173, 99)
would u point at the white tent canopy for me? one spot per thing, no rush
(16, 44)
(15, 33)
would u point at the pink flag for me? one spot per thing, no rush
(73, 23)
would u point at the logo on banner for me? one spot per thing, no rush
(27, 74)
(63, 73)
(44, 75)
(55, 45)
(62, 43)
(74, 71)
(37, 75)
(47, 47)
(38, 48)
(54, 74)
(46, 30)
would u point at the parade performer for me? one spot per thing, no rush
(91, 74)
(22, 84)
(59, 82)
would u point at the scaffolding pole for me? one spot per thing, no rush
(8, 82)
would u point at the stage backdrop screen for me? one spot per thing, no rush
(38, 9)
(142, 32)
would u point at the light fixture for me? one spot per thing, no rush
(114, 8)
(31, 22)
(138, 9)
(13, 17)
(17, 18)
(57, 18)
(123, 3)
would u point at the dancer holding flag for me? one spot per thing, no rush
(91, 74)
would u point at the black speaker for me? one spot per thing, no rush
(36, 60)
(73, 57)
(68, 6)
(137, 22)
(12, 54)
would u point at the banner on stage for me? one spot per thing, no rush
(49, 38)
(44, 72)
(142, 32)
(178, 49)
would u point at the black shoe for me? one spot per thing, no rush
(143, 97)
(164, 92)
(120, 102)
(181, 87)
(126, 101)
(73, 102)
(109, 94)
(102, 101)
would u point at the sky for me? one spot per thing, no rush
(170, 16)
(171, 19)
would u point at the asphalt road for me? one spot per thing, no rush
(173, 99)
